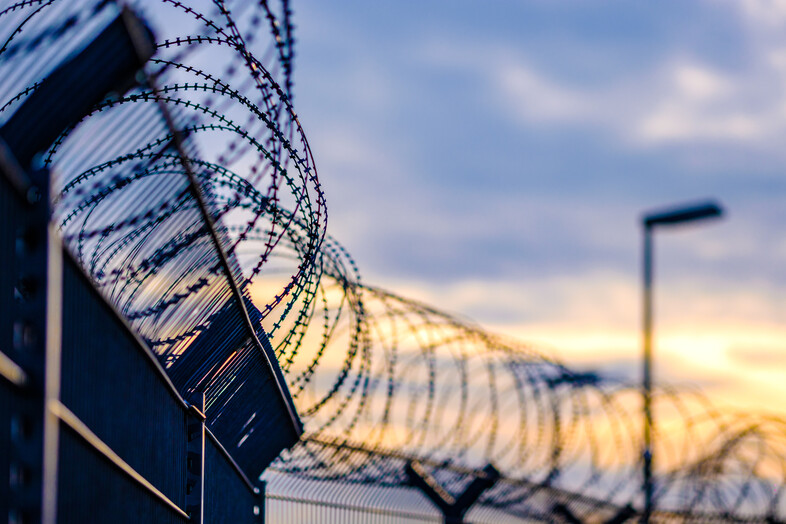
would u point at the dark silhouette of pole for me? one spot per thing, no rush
(672, 216)
(647, 374)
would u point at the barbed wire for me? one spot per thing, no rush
(379, 380)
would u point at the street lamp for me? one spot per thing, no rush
(667, 217)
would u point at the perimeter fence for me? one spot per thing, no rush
(79, 385)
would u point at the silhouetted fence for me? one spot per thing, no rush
(86, 409)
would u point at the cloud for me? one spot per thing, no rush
(699, 83)
(769, 356)
(536, 98)
(680, 98)
(770, 13)
(497, 168)
(472, 154)
(713, 332)
(699, 103)
(683, 101)
(573, 299)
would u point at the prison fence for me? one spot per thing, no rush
(88, 415)
(181, 187)
(93, 428)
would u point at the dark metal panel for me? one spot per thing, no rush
(244, 404)
(227, 497)
(92, 490)
(112, 385)
(26, 337)
(8, 210)
(6, 398)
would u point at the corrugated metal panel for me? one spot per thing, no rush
(112, 385)
(244, 405)
(227, 497)
(10, 401)
(5, 445)
(92, 490)
(9, 210)
(7, 271)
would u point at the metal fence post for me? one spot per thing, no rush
(259, 508)
(195, 465)
(35, 348)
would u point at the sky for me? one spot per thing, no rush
(494, 159)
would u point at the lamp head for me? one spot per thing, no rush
(683, 214)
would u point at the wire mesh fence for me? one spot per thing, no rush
(282, 509)
(290, 499)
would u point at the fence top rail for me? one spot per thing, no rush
(68, 418)
(11, 371)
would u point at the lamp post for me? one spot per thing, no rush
(667, 217)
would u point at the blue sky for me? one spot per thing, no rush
(493, 158)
